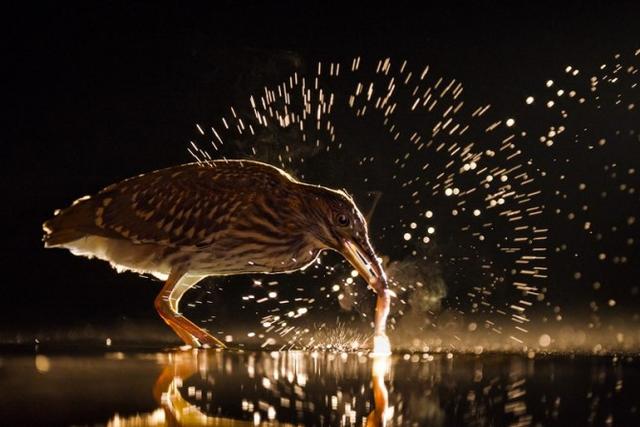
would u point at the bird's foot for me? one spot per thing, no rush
(200, 338)
(192, 335)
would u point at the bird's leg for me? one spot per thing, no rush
(167, 303)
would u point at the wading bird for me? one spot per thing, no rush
(223, 217)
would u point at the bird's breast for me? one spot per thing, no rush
(226, 258)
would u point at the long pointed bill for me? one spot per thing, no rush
(365, 262)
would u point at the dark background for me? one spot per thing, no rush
(102, 92)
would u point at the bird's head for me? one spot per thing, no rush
(338, 224)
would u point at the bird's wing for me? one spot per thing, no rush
(190, 205)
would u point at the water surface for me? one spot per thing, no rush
(119, 388)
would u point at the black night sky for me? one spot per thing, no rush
(96, 94)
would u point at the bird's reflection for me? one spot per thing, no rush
(211, 387)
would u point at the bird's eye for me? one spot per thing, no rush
(343, 220)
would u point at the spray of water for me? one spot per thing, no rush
(470, 205)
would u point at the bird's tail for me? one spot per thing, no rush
(69, 224)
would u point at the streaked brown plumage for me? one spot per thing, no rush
(187, 222)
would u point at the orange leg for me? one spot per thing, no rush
(167, 303)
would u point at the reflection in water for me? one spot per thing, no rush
(314, 388)
(379, 415)
(212, 387)
(207, 388)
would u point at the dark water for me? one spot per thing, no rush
(217, 387)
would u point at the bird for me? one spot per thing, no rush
(216, 218)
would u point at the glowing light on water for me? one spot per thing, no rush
(273, 386)
(42, 364)
(381, 345)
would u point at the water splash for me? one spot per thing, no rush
(474, 195)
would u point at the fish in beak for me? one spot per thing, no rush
(366, 263)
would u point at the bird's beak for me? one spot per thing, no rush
(365, 262)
